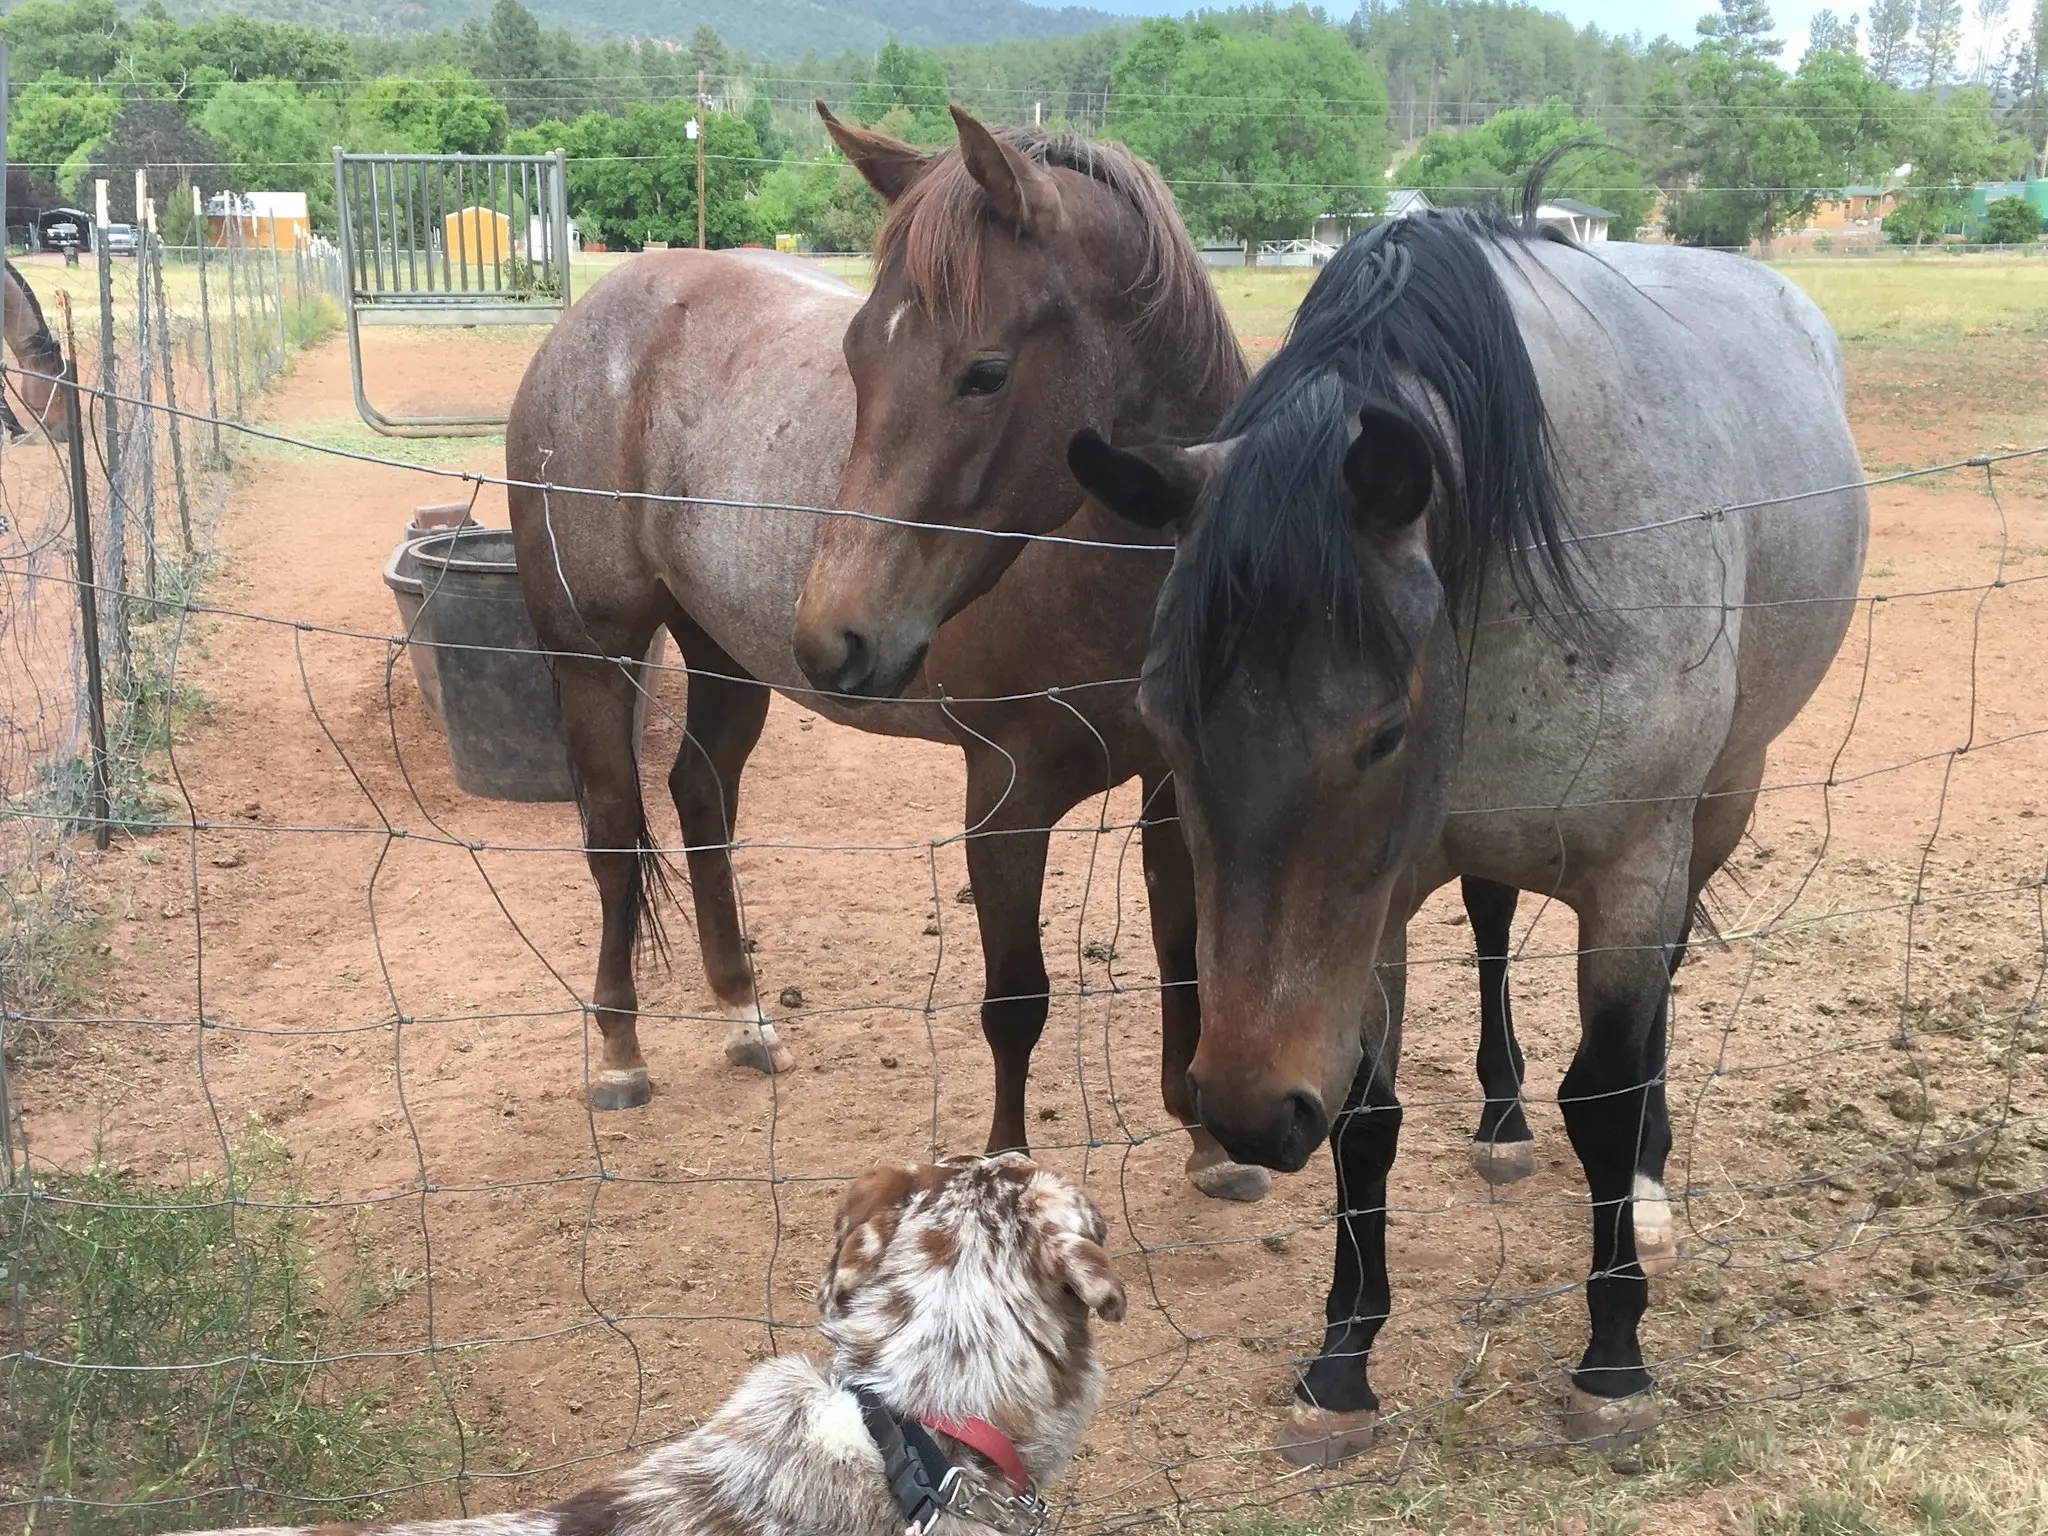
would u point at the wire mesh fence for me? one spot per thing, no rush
(391, 1262)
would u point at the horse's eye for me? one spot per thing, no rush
(984, 376)
(1386, 741)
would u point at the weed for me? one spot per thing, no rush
(1817, 1515)
(163, 1380)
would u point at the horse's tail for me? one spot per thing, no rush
(1530, 202)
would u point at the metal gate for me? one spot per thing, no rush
(449, 240)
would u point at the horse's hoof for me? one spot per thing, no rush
(1607, 1423)
(1215, 1175)
(756, 1047)
(1321, 1437)
(1656, 1235)
(615, 1089)
(1504, 1162)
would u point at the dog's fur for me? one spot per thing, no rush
(957, 1290)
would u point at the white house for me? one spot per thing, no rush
(540, 238)
(1582, 221)
(1333, 229)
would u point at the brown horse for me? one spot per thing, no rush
(40, 360)
(721, 377)
(1026, 287)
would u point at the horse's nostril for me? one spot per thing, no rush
(856, 663)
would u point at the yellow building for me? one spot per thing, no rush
(479, 237)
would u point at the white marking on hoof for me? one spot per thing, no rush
(1656, 1236)
(1225, 1180)
(1607, 1423)
(1319, 1437)
(751, 1041)
(1504, 1162)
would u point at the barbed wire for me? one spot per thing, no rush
(1231, 1293)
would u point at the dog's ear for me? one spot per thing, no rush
(1082, 1265)
(868, 1214)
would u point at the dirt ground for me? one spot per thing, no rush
(1858, 1077)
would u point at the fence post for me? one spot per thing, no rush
(277, 294)
(88, 594)
(170, 365)
(110, 432)
(204, 238)
(234, 244)
(143, 433)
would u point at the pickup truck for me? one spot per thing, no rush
(120, 239)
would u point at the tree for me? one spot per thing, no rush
(1487, 164)
(1993, 41)
(634, 178)
(2011, 221)
(156, 136)
(52, 119)
(275, 138)
(912, 81)
(1891, 39)
(82, 38)
(517, 62)
(1829, 33)
(444, 113)
(1259, 134)
(1938, 29)
(708, 54)
(1857, 118)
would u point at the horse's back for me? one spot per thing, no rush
(716, 376)
(1700, 384)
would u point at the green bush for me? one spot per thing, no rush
(159, 1384)
(2011, 221)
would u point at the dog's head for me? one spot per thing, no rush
(964, 1289)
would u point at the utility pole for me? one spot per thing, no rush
(702, 124)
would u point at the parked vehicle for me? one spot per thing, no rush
(120, 239)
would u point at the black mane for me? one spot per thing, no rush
(1413, 301)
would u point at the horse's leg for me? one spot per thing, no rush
(597, 717)
(722, 720)
(1504, 1149)
(1334, 1404)
(1614, 1115)
(1718, 823)
(1012, 808)
(1170, 889)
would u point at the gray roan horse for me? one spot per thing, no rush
(722, 376)
(1451, 597)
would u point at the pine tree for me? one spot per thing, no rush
(1939, 35)
(1891, 37)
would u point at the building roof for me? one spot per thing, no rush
(1572, 206)
(1407, 200)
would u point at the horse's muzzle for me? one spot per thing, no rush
(1280, 1133)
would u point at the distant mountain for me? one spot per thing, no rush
(763, 29)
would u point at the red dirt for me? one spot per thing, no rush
(624, 1257)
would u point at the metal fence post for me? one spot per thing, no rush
(143, 433)
(277, 294)
(234, 246)
(170, 366)
(204, 237)
(88, 596)
(110, 433)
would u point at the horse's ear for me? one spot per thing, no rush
(1150, 486)
(1025, 196)
(1390, 470)
(888, 165)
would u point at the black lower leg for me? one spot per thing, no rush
(1606, 1102)
(1492, 909)
(1362, 1143)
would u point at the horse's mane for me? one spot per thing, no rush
(1413, 302)
(939, 226)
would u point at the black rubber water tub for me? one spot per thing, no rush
(497, 692)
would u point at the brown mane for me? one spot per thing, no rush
(939, 226)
